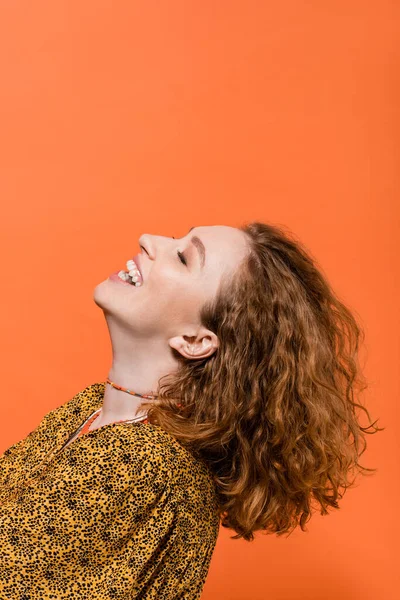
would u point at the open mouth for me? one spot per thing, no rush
(132, 275)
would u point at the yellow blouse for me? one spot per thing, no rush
(124, 511)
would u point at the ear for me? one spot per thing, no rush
(197, 346)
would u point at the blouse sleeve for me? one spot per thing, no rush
(157, 544)
(136, 533)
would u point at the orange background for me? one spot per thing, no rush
(119, 118)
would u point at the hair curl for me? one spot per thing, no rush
(273, 411)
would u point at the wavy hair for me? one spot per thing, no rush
(273, 411)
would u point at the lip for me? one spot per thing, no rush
(138, 260)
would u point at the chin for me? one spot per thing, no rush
(112, 298)
(102, 295)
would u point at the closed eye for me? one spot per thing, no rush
(182, 258)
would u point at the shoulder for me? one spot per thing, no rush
(51, 426)
(191, 477)
(72, 411)
(189, 480)
(88, 399)
(195, 489)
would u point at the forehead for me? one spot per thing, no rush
(225, 246)
(221, 235)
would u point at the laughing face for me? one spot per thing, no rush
(174, 278)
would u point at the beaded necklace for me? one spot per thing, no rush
(94, 416)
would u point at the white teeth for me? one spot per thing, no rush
(124, 276)
(131, 265)
(133, 275)
(134, 271)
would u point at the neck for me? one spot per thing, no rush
(137, 364)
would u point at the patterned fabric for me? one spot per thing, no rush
(124, 511)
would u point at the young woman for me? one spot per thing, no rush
(231, 400)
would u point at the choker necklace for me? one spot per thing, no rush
(124, 389)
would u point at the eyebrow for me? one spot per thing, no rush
(199, 247)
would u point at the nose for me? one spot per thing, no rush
(145, 242)
(153, 244)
